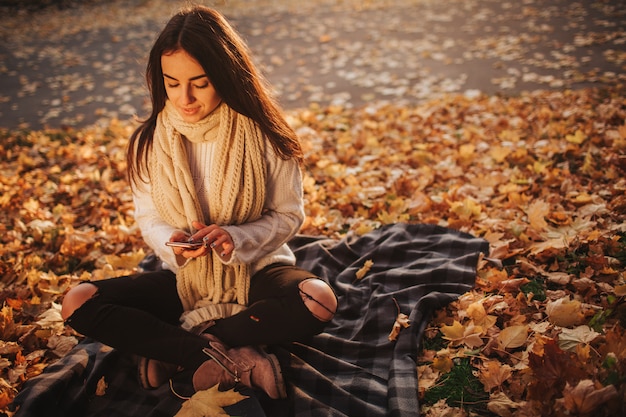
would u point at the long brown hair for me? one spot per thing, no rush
(208, 37)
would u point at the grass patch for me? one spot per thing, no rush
(537, 287)
(460, 388)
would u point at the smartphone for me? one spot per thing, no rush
(185, 245)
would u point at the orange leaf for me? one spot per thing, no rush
(493, 374)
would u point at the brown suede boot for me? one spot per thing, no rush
(153, 373)
(247, 365)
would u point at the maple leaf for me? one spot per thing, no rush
(493, 374)
(458, 334)
(551, 371)
(443, 363)
(569, 339)
(209, 403)
(476, 311)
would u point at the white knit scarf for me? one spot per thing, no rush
(237, 186)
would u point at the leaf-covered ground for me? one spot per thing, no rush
(541, 176)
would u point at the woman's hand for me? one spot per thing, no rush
(213, 237)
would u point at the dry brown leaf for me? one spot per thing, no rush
(427, 377)
(569, 339)
(501, 405)
(493, 374)
(402, 322)
(564, 312)
(513, 337)
(101, 387)
(586, 397)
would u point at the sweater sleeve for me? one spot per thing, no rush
(155, 231)
(282, 217)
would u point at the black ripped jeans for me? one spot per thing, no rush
(139, 314)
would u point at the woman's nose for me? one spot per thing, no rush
(187, 96)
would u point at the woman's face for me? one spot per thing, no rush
(188, 87)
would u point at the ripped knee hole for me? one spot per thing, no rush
(318, 298)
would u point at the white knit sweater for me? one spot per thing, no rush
(258, 243)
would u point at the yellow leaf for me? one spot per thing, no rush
(467, 335)
(513, 337)
(364, 269)
(209, 403)
(443, 364)
(466, 209)
(577, 138)
(453, 332)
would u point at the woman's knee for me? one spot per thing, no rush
(319, 298)
(76, 297)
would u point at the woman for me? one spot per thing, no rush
(215, 164)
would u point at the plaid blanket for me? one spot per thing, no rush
(352, 369)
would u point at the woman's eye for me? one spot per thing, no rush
(170, 85)
(205, 85)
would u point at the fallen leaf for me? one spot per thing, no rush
(402, 322)
(569, 339)
(364, 269)
(209, 403)
(443, 363)
(101, 387)
(537, 213)
(585, 398)
(458, 334)
(551, 372)
(564, 312)
(427, 377)
(501, 405)
(577, 138)
(493, 374)
(513, 337)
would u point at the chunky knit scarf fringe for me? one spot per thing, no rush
(237, 186)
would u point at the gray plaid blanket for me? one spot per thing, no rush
(352, 369)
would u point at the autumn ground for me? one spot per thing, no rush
(539, 174)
